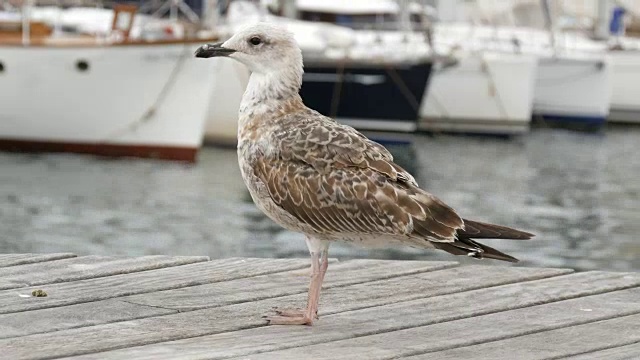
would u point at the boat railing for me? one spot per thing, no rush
(22, 29)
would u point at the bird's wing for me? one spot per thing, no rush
(334, 179)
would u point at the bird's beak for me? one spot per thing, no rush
(211, 50)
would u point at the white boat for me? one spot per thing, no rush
(87, 95)
(230, 77)
(624, 57)
(625, 102)
(221, 126)
(600, 26)
(573, 81)
(484, 92)
(573, 91)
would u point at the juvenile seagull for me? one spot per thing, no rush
(326, 180)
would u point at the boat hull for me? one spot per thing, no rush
(176, 153)
(146, 100)
(232, 78)
(484, 93)
(574, 93)
(372, 102)
(625, 102)
(370, 97)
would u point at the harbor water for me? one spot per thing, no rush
(580, 193)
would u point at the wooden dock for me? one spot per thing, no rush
(160, 307)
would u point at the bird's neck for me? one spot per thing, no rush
(266, 90)
(266, 99)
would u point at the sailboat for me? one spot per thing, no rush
(112, 95)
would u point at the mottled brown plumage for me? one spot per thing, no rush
(326, 180)
(339, 183)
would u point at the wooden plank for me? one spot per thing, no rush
(441, 337)
(212, 295)
(143, 282)
(625, 352)
(453, 280)
(262, 287)
(247, 315)
(21, 259)
(86, 314)
(85, 267)
(552, 344)
(369, 321)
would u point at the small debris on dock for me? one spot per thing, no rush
(39, 293)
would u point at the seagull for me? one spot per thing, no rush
(313, 175)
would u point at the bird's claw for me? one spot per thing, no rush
(289, 320)
(290, 317)
(290, 312)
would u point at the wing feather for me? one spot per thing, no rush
(336, 180)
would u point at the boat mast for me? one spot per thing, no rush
(601, 31)
(447, 10)
(289, 9)
(210, 15)
(26, 22)
(546, 11)
(405, 16)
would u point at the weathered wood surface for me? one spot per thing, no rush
(21, 259)
(189, 308)
(85, 267)
(626, 352)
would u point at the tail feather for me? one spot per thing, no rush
(480, 230)
(473, 249)
(465, 245)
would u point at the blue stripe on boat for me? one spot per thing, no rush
(576, 119)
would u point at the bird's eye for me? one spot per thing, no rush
(255, 41)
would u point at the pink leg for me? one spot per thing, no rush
(319, 264)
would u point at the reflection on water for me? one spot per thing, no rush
(578, 192)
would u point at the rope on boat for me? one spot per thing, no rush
(151, 111)
(493, 89)
(393, 74)
(404, 89)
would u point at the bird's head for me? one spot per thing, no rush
(264, 48)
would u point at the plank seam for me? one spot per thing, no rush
(178, 337)
(594, 350)
(398, 275)
(293, 293)
(403, 274)
(445, 266)
(98, 276)
(28, 262)
(175, 311)
(393, 329)
(103, 323)
(527, 333)
(49, 306)
(515, 281)
(130, 345)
